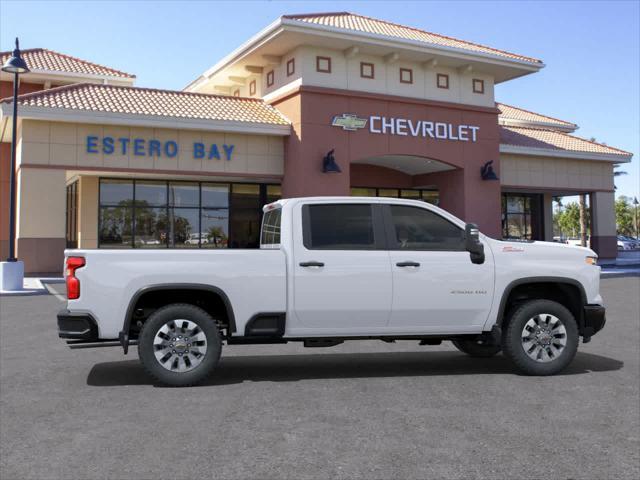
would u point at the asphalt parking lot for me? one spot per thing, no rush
(358, 410)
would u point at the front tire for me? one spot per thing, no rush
(541, 337)
(179, 345)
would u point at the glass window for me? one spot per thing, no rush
(271, 227)
(215, 227)
(180, 214)
(274, 192)
(410, 194)
(116, 192)
(245, 216)
(420, 229)
(184, 194)
(151, 194)
(184, 228)
(151, 227)
(339, 227)
(215, 195)
(116, 227)
(364, 192)
(431, 196)
(388, 192)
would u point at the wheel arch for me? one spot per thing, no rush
(575, 299)
(173, 287)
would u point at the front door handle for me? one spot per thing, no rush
(407, 264)
(312, 264)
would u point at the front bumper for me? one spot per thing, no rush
(593, 321)
(77, 326)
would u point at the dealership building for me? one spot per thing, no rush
(317, 104)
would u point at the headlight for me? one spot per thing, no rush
(591, 260)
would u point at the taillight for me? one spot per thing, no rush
(73, 284)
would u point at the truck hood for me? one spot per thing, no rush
(546, 250)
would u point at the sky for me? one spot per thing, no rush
(591, 49)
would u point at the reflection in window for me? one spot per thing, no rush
(151, 226)
(215, 227)
(181, 214)
(116, 226)
(420, 229)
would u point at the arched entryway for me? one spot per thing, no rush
(409, 176)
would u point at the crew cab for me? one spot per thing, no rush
(331, 269)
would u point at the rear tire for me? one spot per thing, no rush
(541, 337)
(179, 345)
(477, 347)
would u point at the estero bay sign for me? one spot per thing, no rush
(160, 148)
(408, 127)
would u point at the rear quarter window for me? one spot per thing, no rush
(270, 237)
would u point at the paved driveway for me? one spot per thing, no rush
(362, 409)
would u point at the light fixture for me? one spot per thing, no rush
(12, 271)
(15, 63)
(329, 164)
(487, 173)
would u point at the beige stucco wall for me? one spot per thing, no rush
(556, 173)
(603, 212)
(345, 74)
(64, 144)
(41, 203)
(88, 212)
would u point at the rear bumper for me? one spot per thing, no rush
(77, 326)
(594, 320)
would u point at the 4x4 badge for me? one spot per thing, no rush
(349, 122)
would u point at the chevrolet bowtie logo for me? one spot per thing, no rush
(349, 122)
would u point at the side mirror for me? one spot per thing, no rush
(473, 244)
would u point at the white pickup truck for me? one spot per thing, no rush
(332, 269)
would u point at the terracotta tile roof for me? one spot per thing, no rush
(147, 101)
(553, 140)
(43, 59)
(360, 23)
(515, 113)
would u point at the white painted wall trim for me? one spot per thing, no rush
(507, 122)
(154, 121)
(545, 152)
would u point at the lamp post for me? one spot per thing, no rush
(12, 270)
(635, 214)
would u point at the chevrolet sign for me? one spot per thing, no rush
(349, 122)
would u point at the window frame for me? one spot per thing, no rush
(445, 77)
(319, 58)
(263, 200)
(270, 78)
(391, 241)
(252, 88)
(410, 72)
(478, 81)
(373, 70)
(291, 66)
(379, 235)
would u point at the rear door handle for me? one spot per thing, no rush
(312, 264)
(407, 264)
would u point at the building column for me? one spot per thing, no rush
(40, 231)
(547, 217)
(603, 225)
(88, 212)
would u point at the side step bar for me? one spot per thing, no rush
(97, 343)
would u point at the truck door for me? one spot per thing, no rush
(436, 288)
(342, 275)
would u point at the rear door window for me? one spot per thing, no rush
(339, 227)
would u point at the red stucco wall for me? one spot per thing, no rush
(462, 191)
